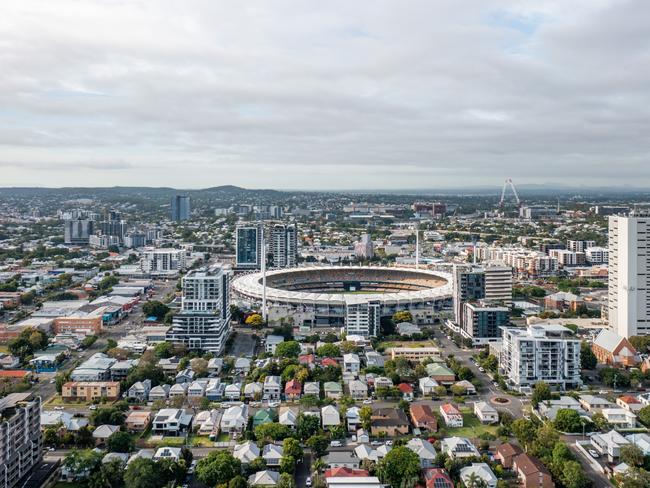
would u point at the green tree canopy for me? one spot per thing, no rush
(120, 442)
(217, 468)
(287, 349)
(400, 466)
(587, 357)
(568, 420)
(155, 308)
(329, 350)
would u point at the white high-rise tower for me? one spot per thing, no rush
(629, 273)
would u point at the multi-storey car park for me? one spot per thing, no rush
(354, 297)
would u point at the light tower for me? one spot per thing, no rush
(263, 263)
(417, 247)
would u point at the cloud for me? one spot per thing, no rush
(306, 94)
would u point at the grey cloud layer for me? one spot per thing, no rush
(306, 94)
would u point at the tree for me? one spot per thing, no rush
(287, 349)
(163, 350)
(328, 350)
(199, 366)
(524, 430)
(142, 473)
(587, 357)
(287, 464)
(257, 464)
(439, 391)
(458, 390)
(255, 320)
(568, 420)
(402, 316)
(238, 482)
(107, 415)
(120, 442)
(27, 342)
(644, 416)
(365, 415)
(155, 308)
(84, 437)
(318, 444)
(541, 392)
(631, 455)
(573, 475)
(600, 421)
(80, 462)
(291, 447)
(273, 431)
(307, 426)
(286, 481)
(398, 466)
(217, 468)
(109, 474)
(634, 478)
(545, 439)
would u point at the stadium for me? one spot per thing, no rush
(354, 297)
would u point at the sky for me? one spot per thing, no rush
(363, 94)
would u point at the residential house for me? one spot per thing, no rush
(345, 473)
(374, 359)
(342, 459)
(619, 417)
(215, 389)
(440, 373)
(329, 362)
(138, 420)
(481, 471)
(358, 389)
(185, 376)
(64, 420)
(407, 328)
(173, 453)
(353, 419)
(469, 388)
(641, 440)
(242, 366)
(330, 417)
(235, 419)
(505, 454)
(96, 368)
(178, 390)
(333, 389)
(630, 403)
(292, 389)
(246, 452)
(593, 404)
(353, 482)
(120, 370)
(406, 390)
(207, 422)
(169, 365)
(423, 417)
(609, 444)
(425, 451)
(253, 391)
(531, 472)
(486, 413)
(451, 415)
(196, 389)
(103, 432)
(272, 388)
(288, 417)
(614, 350)
(550, 408)
(232, 392)
(272, 342)
(272, 454)
(215, 365)
(458, 447)
(392, 422)
(312, 388)
(139, 391)
(171, 422)
(160, 392)
(362, 437)
(437, 478)
(264, 478)
(351, 363)
(365, 452)
(427, 386)
(90, 390)
(382, 382)
(263, 416)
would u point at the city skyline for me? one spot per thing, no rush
(302, 95)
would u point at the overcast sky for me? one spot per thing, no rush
(324, 94)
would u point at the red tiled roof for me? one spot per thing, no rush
(329, 362)
(628, 399)
(14, 373)
(405, 388)
(293, 386)
(449, 409)
(306, 358)
(345, 472)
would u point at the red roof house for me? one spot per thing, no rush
(292, 389)
(344, 472)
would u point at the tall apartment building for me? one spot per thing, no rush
(180, 208)
(363, 249)
(248, 245)
(113, 226)
(204, 320)
(548, 353)
(162, 261)
(629, 273)
(491, 283)
(498, 284)
(21, 442)
(579, 246)
(597, 255)
(482, 322)
(77, 231)
(283, 245)
(566, 257)
(362, 317)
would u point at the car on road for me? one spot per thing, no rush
(52, 381)
(594, 454)
(495, 384)
(274, 404)
(92, 407)
(335, 444)
(367, 401)
(308, 481)
(50, 449)
(389, 443)
(482, 369)
(58, 408)
(375, 443)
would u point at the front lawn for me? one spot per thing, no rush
(200, 441)
(169, 441)
(472, 427)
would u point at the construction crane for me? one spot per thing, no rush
(506, 183)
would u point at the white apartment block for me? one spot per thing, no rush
(597, 255)
(547, 353)
(579, 246)
(162, 261)
(498, 284)
(525, 262)
(204, 320)
(283, 245)
(566, 257)
(362, 317)
(629, 274)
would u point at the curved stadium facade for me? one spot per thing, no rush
(354, 297)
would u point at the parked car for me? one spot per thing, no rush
(92, 407)
(58, 408)
(594, 454)
(335, 444)
(367, 401)
(308, 482)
